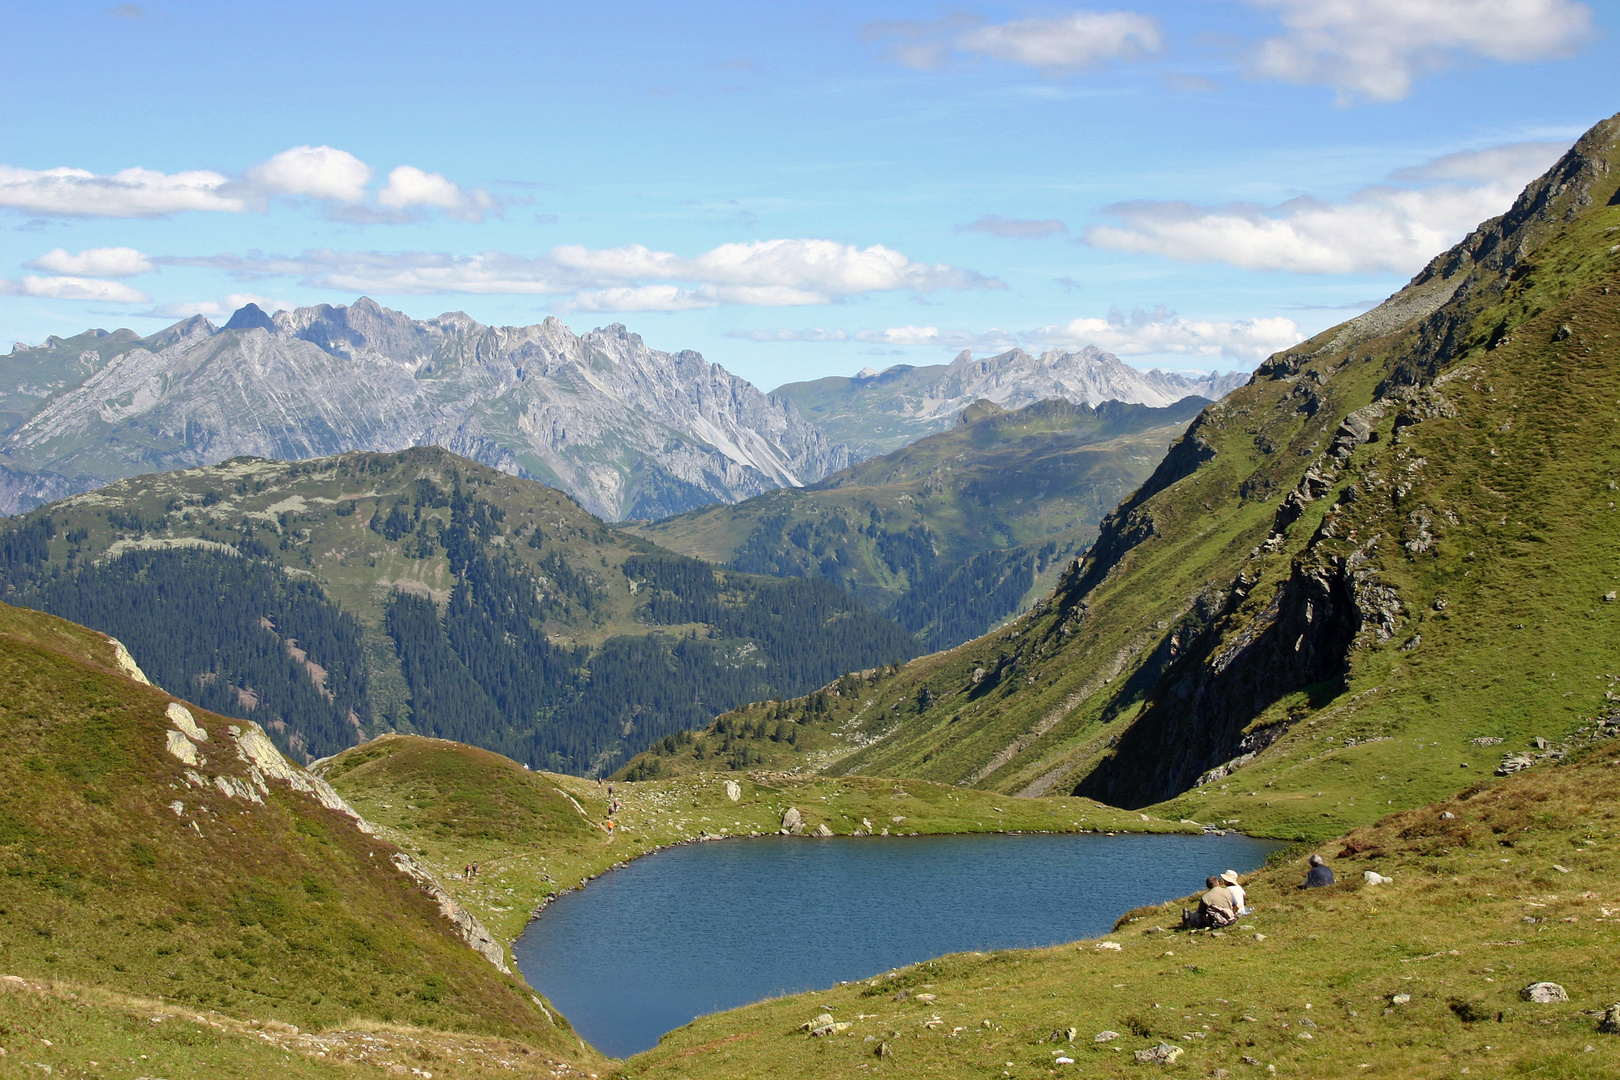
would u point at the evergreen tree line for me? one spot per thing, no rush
(196, 622)
(484, 672)
(213, 626)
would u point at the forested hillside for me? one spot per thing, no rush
(334, 599)
(954, 533)
(1388, 564)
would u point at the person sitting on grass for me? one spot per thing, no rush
(1233, 885)
(1320, 874)
(1216, 908)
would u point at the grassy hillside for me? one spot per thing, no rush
(193, 872)
(956, 531)
(333, 599)
(1505, 885)
(1354, 584)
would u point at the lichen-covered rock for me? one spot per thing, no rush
(1163, 1054)
(1544, 993)
(184, 749)
(181, 717)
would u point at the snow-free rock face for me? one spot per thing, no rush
(628, 430)
(876, 412)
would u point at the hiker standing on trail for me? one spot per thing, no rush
(1320, 874)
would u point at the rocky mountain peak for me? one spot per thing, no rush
(250, 317)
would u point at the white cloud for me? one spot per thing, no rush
(80, 288)
(1155, 333)
(1159, 333)
(1379, 229)
(633, 278)
(316, 172)
(1512, 163)
(221, 308)
(409, 186)
(1374, 49)
(325, 174)
(130, 193)
(1059, 45)
(108, 262)
(893, 336)
(1068, 42)
(1015, 228)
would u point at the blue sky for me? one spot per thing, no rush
(793, 190)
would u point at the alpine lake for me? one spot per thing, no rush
(705, 927)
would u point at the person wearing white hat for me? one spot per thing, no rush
(1239, 897)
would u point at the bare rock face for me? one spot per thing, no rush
(628, 430)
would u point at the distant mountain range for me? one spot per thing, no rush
(628, 430)
(876, 412)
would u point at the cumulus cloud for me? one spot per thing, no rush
(326, 175)
(129, 193)
(1141, 333)
(1015, 228)
(1058, 45)
(410, 187)
(315, 172)
(109, 262)
(768, 273)
(1379, 229)
(1375, 49)
(75, 288)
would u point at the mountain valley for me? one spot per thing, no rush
(1385, 566)
(956, 531)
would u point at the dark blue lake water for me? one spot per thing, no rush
(696, 929)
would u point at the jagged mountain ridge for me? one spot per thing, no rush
(1383, 568)
(628, 430)
(876, 412)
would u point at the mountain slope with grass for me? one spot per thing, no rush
(956, 531)
(1387, 565)
(334, 599)
(157, 852)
